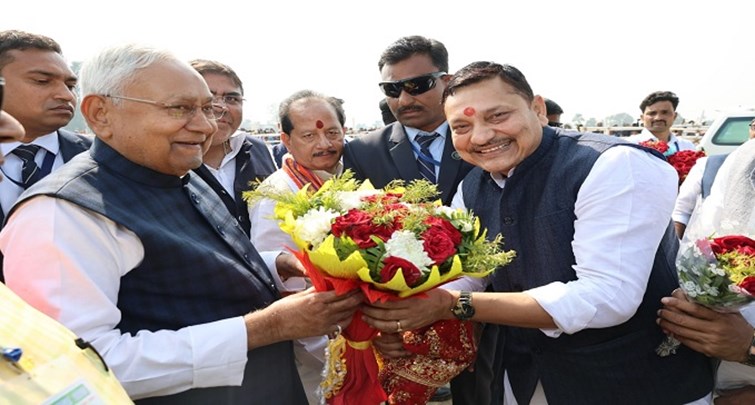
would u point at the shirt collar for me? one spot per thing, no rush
(236, 141)
(49, 142)
(412, 133)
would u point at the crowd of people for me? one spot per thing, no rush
(137, 238)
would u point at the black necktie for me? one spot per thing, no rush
(30, 172)
(426, 167)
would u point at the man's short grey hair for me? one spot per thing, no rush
(113, 69)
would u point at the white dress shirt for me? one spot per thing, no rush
(675, 144)
(690, 192)
(10, 191)
(79, 258)
(226, 172)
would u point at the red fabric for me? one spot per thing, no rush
(361, 385)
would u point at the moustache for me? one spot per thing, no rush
(325, 153)
(409, 108)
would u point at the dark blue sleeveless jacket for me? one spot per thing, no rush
(198, 265)
(535, 214)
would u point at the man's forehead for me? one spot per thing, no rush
(660, 105)
(172, 77)
(38, 60)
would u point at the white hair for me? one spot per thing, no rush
(114, 68)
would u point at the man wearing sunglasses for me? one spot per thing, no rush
(414, 74)
(418, 145)
(40, 94)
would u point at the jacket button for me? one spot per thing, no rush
(508, 221)
(220, 230)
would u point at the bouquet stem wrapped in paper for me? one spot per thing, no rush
(390, 244)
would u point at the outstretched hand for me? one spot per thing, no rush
(723, 335)
(410, 313)
(304, 314)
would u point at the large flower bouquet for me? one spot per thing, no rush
(390, 243)
(716, 272)
(681, 160)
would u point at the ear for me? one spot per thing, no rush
(286, 140)
(96, 111)
(538, 106)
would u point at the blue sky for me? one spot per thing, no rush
(596, 58)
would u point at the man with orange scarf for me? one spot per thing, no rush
(312, 129)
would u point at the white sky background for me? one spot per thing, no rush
(596, 58)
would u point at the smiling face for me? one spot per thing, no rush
(493, 126)
(222, 86)
(147, 134)
(658, 119)
(39, 91)
(422, 111)
(316, 140)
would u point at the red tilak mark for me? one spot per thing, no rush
(319, 124)
(469, 111)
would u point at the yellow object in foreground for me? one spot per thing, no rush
(53, 369)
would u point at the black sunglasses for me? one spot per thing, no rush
(414, 86)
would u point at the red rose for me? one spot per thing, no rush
(438, 245)
(660, 146)
(726, 244)
(748, 284)
(358, 226)
(393, 264)
(447, 227)
(683, 161)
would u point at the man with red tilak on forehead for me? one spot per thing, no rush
(312, 129)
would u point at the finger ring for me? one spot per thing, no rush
(398, 326)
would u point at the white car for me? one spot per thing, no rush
(727, 132)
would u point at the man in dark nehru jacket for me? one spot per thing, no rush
(141, 258)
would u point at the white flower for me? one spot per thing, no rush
(405, 245)
(717, 270)
(314, 226)
(690, 288)
(353, 199)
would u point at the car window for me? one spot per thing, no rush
(734, 131)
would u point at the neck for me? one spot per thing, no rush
(29, 137)
(663, 136)
(216, 153)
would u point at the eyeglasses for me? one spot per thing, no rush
(179, 111)
(414, 86)
(228, 99)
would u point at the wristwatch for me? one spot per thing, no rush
(463, 310)
(750, 361)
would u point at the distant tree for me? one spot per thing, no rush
(578, 119)
(679, 119)
(619, 120)
(591, 122)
